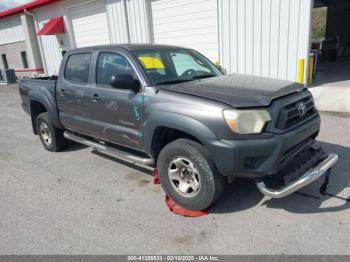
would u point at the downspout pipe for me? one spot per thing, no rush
(125, 10)
(39, 40)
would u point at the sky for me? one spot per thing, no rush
(7, 4)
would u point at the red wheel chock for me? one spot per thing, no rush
(175, 208)
(156, 179)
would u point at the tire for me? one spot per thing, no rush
(195, 166)
(50, 136)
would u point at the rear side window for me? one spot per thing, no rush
(77, 68)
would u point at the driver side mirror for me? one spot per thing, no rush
(125, 81)
(223, 70)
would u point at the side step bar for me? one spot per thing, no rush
(110, 150)
(306, 179)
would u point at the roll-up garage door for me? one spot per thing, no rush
(188, 23)
(90, 24)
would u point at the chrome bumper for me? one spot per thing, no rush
(306, 179)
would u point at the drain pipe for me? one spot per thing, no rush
(39, 40)
(126, 20)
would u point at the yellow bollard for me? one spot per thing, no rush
(311, 70)
(301, 64)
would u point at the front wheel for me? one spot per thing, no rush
(50, 136)
(188, 175)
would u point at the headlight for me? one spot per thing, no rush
(246, 121)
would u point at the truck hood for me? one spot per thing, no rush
(237, 90)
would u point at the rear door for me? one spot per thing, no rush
(74, 93)
(116, 113)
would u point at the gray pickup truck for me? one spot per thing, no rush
(171, 108)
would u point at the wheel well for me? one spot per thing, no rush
(36, 108)
(164, 135)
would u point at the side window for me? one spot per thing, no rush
(77, 68)
(24, 59)
(110, 64)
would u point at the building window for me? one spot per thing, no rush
(4, 61)
(24, 59)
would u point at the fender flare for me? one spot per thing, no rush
(175, 121)
(44, 97)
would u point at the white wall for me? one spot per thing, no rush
(11, 30)
(188, 23)
(117, 21)
(257, 37)
(90, 23)
(49, 44)
(264, 37)
(139, 29)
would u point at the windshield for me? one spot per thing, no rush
(170, 66)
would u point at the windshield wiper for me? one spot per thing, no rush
(202, 76)
(176, 81)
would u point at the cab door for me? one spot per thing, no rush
(73, 93)
(116, 113)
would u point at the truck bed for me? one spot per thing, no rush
(42, 85)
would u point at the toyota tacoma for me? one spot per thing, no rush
(171, 108)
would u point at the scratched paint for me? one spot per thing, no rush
(139, 134)
(139, 99)
(105, 130)
(134, 141)
(137, 113)
(126, 123)
(80, 93)
(112, 105)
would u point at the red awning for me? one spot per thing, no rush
(53, 27)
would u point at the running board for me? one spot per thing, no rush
(110, 150)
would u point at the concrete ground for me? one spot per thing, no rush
(77, 202)
(331, 88)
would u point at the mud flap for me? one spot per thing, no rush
(324, 186)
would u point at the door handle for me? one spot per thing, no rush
(95, 98)
(62, 92)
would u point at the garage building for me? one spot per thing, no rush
(259, 37)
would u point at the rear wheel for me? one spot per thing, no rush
(188, 174)
(50, 136)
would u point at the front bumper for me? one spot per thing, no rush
(257, 158)
(281, 164)
(306, 179)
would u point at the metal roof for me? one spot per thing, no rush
(29, 6)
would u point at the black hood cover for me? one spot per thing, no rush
(237, 90)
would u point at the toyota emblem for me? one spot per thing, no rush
(301, 109)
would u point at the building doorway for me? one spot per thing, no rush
(331, 43)
(331, 85)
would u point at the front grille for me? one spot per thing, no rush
(290, 115)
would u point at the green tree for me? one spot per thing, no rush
(319, 21)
